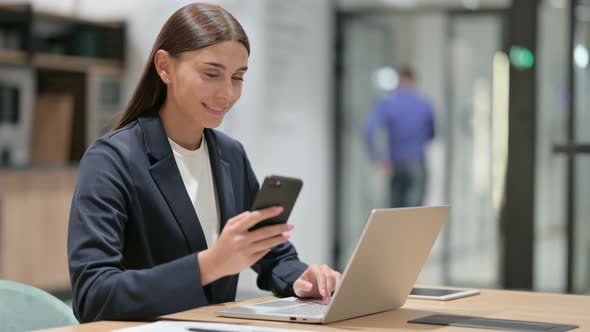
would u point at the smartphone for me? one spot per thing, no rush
(440, 294)
(277, 190)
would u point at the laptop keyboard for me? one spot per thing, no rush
(307, 309)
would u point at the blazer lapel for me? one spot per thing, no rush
(222, 179)
(167, 177)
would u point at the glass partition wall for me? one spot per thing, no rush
(460, 58)
(452, 55)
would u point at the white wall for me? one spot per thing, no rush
(284, 116)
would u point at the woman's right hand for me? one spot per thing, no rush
(237, 248)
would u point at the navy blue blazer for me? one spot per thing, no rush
(133, 232)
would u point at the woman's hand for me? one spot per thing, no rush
(237, 248)
(318, 281)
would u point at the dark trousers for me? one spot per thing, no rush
(408, 184)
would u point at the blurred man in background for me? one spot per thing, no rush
(408, 119)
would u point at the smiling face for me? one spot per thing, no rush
(204, 84)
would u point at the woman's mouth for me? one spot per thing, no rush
(215, 109)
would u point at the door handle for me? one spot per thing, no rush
(571, 148)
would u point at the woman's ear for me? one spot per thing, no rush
(163, 64)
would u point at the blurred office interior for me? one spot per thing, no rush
(508, 79)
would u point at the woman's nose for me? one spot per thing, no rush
(226, 91)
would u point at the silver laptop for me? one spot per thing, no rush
(379, 276)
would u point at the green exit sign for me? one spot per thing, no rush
(521, 57)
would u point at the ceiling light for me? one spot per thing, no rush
(581, 56)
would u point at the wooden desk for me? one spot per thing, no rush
(543, 307)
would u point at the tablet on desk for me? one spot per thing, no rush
(440, 294)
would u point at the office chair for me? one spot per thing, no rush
(24, 308)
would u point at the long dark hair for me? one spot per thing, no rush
(191, 27)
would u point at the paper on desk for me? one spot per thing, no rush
(180, 326)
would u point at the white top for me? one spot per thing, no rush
(195, 170)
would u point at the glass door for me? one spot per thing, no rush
(581, 150)
(472, 232)
(563, 213)
(364, 50)
(452, 54)
(550, 246)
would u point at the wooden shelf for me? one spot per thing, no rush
(93, 44)
(46, 54)
(16, 8)
(60, 62)
(48, 16)
(74, 63)
(13, 57)
(76, 20)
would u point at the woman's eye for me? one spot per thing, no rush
(211, 75)
(238, 79)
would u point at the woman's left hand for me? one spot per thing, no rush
(318, 281)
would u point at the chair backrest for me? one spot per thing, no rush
(25, 308)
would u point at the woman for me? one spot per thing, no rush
(159, 219)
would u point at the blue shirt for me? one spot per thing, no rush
(408, 119)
